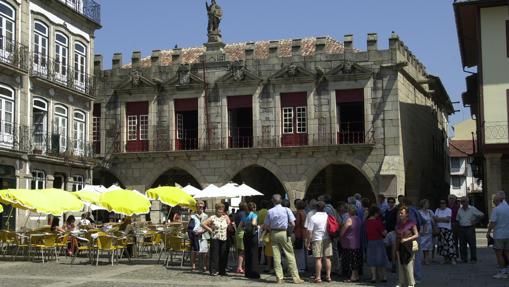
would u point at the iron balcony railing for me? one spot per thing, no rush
(160, 140)
(87, 8)
(14, 137)
(62, 74)
(13, 54)
(59, 145)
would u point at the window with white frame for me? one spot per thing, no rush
(60, 126)
(180, 126)
(7, 29)
(41, 32)
(288, 120)
(80, 64)
(78, 183)
(61, 54)
(96, 126)
(301, 119)
(79, 123)
(143, 127)
(6, 114)
(457, 181)
(132, 128)
(38, 179)
(40, 123)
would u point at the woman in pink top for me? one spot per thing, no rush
(351, 243)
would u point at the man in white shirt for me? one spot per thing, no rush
(319, 241)
(499, 223)
(467, 217)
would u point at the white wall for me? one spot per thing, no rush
(495, 65)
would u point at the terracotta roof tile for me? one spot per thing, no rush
(308, 47)
(461, 148)
(236, 51)
(262, 50)
(285, 48)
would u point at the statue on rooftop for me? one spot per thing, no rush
(215, 14)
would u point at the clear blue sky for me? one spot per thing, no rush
(427, 27)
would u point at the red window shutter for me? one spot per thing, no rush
(97, 110)
(294, 99)
(186, 105)
(237, 102)
(349, 96)
(137, 108)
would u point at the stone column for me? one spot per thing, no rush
(493, 177)
(49, 181)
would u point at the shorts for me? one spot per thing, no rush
(322, 248)
(501, 244)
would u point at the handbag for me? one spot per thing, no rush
(415, 246)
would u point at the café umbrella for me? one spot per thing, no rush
(124, 201)
(172, 196)
(47, 201)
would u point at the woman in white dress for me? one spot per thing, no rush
(426, 232)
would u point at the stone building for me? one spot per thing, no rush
(46, 95)
(300, 117)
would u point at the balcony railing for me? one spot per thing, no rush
(61, 74)
(162, 141)
(59, 145)
(87, 8)
(496, 132)
(14, 137)
(13, 54)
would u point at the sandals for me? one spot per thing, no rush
(328, 280)
(351, 281)
(317, 280)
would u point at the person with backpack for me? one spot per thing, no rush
(319, 242)
(198, 237)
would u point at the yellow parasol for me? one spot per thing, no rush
(172, 196)
(1, 209)
(7, 198)
(126, 202)
(88, 196)
(48, 201)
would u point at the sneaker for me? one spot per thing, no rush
(500, 275)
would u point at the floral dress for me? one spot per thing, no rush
(219, 227)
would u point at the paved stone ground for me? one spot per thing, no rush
(146, 272)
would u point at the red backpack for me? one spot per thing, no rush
(333, 226)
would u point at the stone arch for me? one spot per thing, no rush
(151, 177)
(237, 167)
(261, 179)
(365, 170)
(175, 175)
(106, 177)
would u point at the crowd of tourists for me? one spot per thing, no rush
(354, 239)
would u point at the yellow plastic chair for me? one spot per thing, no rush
(180, 246)
(19, 243)
(166, 247)
(86, 244)
(105, 243)
(122, 245)
(44, 242)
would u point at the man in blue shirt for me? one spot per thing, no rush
(276, 222)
